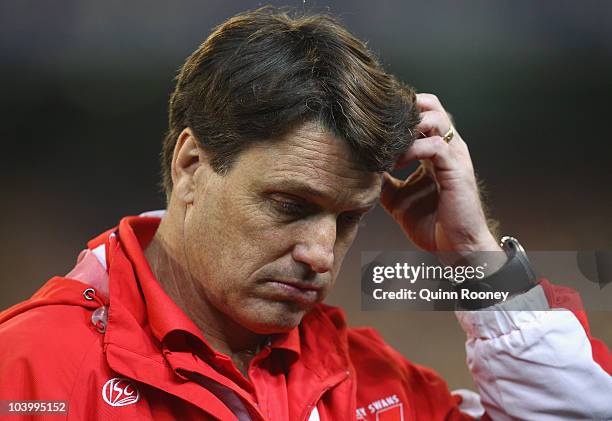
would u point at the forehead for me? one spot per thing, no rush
(312, 159)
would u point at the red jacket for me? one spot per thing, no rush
(147, 359)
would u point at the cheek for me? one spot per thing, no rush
(340, 251)
(228, 240)
(254, 230)
(341, 248)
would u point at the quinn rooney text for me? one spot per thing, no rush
(429, 295)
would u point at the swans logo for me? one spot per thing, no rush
(120, 392)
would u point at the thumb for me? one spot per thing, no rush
(390, 187)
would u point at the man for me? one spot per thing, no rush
(281, 133)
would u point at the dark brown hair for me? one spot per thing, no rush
(262, 72)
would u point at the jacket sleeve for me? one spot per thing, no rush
(542, 365)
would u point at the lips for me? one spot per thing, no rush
(290, 290)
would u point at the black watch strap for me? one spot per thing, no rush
(515, 276)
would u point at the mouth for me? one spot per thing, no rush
(290, 290)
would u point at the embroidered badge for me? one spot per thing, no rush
(120, 392)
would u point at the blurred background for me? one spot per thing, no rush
(84, 88)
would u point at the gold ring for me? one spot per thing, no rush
(449, 135)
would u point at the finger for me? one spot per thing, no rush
(428, 102)
(390, 182)
(418, 182)
(388, 194)
(432, 148)
(434, 123)
(389, 187)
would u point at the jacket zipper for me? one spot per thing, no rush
(332, 382)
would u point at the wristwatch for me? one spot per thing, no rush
(515, 276)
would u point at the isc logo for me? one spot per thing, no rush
(120, 392)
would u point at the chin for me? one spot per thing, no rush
(279, 317)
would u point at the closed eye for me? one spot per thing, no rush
(289, 208)
(351, 218)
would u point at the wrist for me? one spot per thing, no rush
(515, 276)
(483, 252)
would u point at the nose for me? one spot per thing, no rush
(316, 249)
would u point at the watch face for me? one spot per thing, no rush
(511, 245)
(514, 249)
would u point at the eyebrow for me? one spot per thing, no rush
(305, 189)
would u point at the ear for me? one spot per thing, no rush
(187, 158)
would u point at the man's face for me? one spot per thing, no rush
(267, 239)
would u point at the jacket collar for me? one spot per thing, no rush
(163, 315)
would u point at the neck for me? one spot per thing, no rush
(167, 259)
